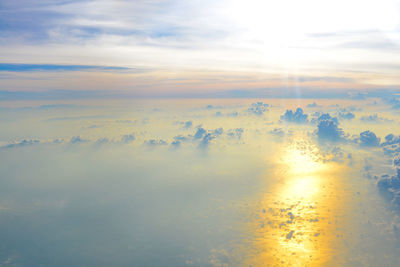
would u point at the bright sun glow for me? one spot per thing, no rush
(302, 159)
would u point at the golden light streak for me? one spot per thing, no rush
(302, 216)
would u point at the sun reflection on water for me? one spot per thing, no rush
(300, 218)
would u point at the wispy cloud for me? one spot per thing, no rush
(226, 40)
(14, 67)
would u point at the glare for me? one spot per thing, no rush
(300, 209)
(286, 32)
(302, 159)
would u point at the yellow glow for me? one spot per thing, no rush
(299, 225)
(301, 159)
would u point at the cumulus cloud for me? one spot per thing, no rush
(127, 139)
(184, 124)
(391, 145)
(297, 117)
(212, 107)
(24, 142)
(329, 130)
(368, 138)
(77, 139)
(313, 105)
(154, 142)
(102, 141)
(176, 144)
(180, 138)
(389, 187)
(391, 139)
(346, 115)
(199, 133)
(188, 124)
(218, 131)
(258, 108)
(235, 133)
(396, 162)
(208, 136)
(394, 102)
(206, 140)
(58, 141)
(325, 116)
(337, 154)
(205, 136)
(202, 137)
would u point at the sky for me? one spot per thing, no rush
(199, 48)
(199, 133)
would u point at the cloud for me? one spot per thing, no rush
(62, 95)
(233, 114)
(235, 133)
(218, 131)
(150, 197)
(394, 102)
(389, 187)
(337, 154)
(102, 141)
(77, 139)
(180, 138)
(107, 32)
(94, 126)
(185, 124)
(296, 117)
(205, 136)
(346, 115)
(176, 144)
(258, 108)
(188, 124)
(218, 114)
(14, 67)
(313, 105)
(391, 145)
(325, 116)
(24, 142)
(391, 139)
(278, 132)
(212, 107)
(199, 133)
(374, 118)
(330, 79)
(210, 135)
(60, 106)
(58, 141)
(368, 138)
(154, 142)
(206, 140)
(396, 162)
(125, 121)
(127, 139)
(328, 130)
(30, 142)
(180, 155)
